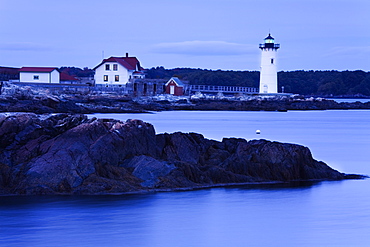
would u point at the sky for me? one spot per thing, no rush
(207, 34)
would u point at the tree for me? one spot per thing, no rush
(299, 82)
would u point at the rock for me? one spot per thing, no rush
(71, 154)
(148, 169)
(277, 162)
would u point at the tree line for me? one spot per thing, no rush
(77, 72)
(320, 83)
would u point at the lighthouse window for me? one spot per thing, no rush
(272, 61)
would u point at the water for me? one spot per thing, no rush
(319, 214)
(340, 100)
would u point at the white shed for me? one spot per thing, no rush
(39, 75)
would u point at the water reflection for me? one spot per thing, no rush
(101, 201)
(232, 216)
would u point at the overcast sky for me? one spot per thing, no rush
(209, 34)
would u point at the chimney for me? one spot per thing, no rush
(126, 54)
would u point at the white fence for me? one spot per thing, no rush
(222, 89)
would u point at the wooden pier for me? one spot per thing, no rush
(221, 89)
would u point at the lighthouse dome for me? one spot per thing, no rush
(269, 39)
(269, 43)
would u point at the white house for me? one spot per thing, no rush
(118, 70)
(39, 75)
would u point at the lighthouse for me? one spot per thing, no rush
(268, 76)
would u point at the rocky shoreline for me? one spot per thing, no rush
(15, 98)
(72, 154)
(87, 104)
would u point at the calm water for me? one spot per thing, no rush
(321, 214)
(350, 100)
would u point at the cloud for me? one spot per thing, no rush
(348, 50)
(204, 48)
(23, 46)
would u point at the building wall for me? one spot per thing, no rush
(148, 87)
(43, 77)
(268, 77)
(121, 71)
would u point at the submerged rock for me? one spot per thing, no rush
(71, 154)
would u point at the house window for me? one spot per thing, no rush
(107, 67)
(116, 78)
(115, 67)
(105, 78)
(36, 77)
(272, 61)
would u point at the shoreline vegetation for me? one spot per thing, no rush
(71, 154)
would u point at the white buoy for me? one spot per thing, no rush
(258, 132)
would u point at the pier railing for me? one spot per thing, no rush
(221, 89)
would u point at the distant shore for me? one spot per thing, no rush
(28, 99)
(123, 104)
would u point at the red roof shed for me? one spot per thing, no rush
(175, 87)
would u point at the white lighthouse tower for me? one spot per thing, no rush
(268, 77)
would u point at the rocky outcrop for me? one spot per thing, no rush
(71, 154)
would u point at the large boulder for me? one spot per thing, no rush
(71, 154)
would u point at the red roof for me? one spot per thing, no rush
(134, 63)
(66, 77)
(37, 69)
(130, 63)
